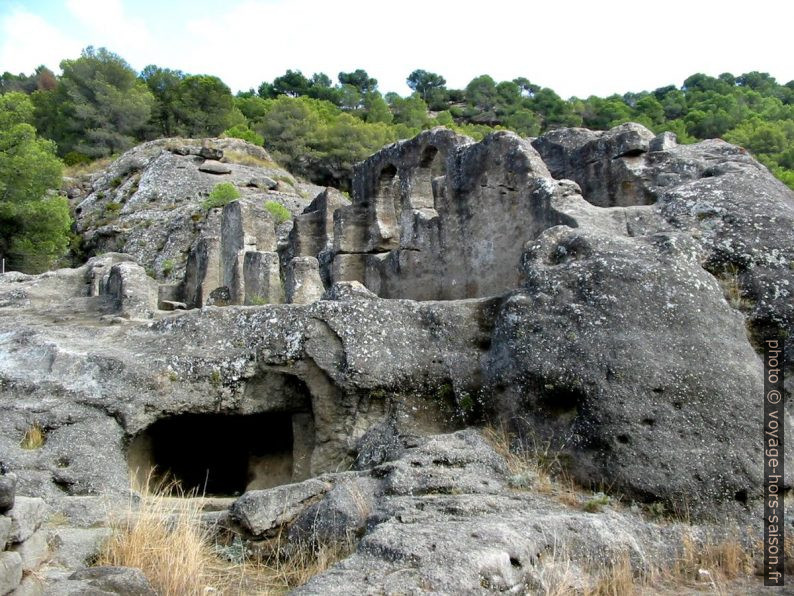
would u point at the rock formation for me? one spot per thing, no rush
(602, 293)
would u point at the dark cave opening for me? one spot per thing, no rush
(217, 454)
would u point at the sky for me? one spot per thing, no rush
(577, 48)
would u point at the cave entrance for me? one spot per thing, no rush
(223, 455)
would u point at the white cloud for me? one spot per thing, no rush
(28, 40)
(575, 47)
(107, 23)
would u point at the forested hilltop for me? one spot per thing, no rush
(99, 106)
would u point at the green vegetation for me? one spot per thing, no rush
(279, 212)
(168, 266)
(596, 503)
(318, 128)
(34, 222)
(223, 193)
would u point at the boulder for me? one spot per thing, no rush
(262, 512)
(349, 290)
(132, 292)
(33, 551)
(5, 531)
(340, 516)
(8, 487)
(211, 153)
(27, 515)
(10, 571)
(115, 580)
(210, 166)
(77, 547)
(263, 183)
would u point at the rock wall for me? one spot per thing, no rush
(616, 323)
(439, 217)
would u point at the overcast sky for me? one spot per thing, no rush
(576, 48)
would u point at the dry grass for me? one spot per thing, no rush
(278, 569)
(246, 159)
(724, 559)
(531, 463)
(33, 438)
(732, 289)
(616, 579)
(84, 169)
(163, 535)
(711, 566)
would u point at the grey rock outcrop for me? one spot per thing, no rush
(115, 580)
(8, 489)
(148, 202)
(738, 213)
(607, 300)
(262, 512)
(10, 571)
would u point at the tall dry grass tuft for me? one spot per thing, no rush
(532, 463)
(163, 536)
(280, 569)
(34, 437)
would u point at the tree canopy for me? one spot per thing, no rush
(34, 223)
(319, 126)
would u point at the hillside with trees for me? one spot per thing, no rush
(318, 127)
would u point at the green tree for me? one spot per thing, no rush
(34, 226)
(360, 80)
(292, 84)
(481, 93)
(164, 84)
(424, 83)
(376, 109)
(104, 104)
(204, 107)
(411, 111)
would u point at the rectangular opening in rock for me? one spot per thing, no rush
(218, 454)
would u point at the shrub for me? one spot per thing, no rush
(596, 503)
(168, 266)
(223, 193)
(241, 131)
(279, 212)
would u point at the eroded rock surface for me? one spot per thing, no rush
(603, 292)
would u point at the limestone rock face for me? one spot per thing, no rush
(605, 291)
(10, 571)
(8, 487)
(437, 518)
(732, 207)
(440, 217)
(148, 202)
